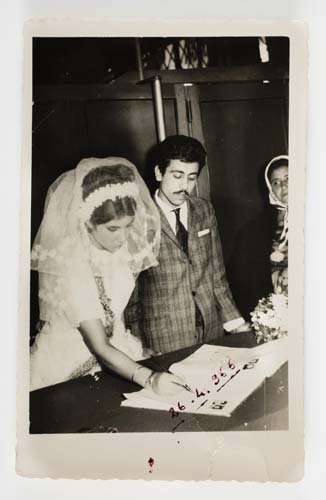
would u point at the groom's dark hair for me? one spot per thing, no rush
(179, 147)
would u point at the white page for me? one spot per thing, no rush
(244, 370)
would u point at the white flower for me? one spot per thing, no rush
(270, 317)
(277, 256)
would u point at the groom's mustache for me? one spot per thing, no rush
(182, 192)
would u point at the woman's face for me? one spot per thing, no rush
(279, 182)
(112, 235)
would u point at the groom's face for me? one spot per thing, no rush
(177, 182)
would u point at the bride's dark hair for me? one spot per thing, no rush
(110, 209)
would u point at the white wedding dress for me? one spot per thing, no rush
(59, 352)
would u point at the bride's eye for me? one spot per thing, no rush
(112, 229)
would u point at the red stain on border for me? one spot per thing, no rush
(151, 462)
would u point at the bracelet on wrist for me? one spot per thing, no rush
(141, 378)
(135, 372)
(150, 379)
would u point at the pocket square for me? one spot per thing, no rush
(203, 232)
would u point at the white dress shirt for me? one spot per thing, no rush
(169, 212)
(171, 218)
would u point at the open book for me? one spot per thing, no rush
(220, 379)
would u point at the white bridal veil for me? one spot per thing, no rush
(62, 248)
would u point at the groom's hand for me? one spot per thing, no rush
(244, 328)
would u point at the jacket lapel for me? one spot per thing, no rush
(194, 223)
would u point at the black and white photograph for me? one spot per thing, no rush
(160, 238)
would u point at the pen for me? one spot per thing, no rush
(185, 386)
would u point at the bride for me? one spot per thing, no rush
(100, 229)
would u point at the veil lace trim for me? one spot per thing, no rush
(63, 249)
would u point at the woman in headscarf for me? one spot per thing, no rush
(100, 229)
(258, 264)
(276, 177)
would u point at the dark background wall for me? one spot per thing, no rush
(245, 126)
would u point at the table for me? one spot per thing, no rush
(89, 405)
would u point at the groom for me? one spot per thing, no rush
(186, 299)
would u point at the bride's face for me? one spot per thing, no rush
(112, 235)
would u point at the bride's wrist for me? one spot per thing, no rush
(142, 375)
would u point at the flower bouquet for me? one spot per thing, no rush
(270, 317)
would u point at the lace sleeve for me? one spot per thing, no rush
(84, 300)
(71, 298)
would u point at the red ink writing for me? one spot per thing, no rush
(199, 394)
(150, 463)
(173, 412)
(202, 404)
(251, 364)
(179, 423)
(218, 405)
(229, 380)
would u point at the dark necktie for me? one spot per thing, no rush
(181, 232)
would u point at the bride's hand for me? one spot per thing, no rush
(166, 384)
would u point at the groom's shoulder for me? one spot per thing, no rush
(200, 205)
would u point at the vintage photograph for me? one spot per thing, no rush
(160, 234)
(159, 257)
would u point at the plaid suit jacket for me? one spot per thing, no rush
(162, 309)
